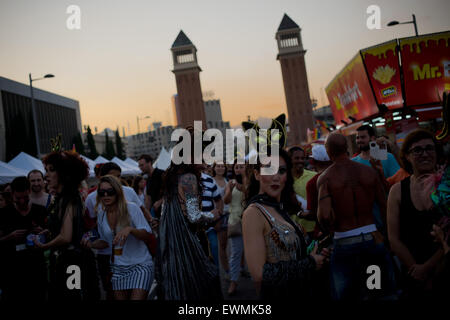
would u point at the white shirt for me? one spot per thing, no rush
(130, 196)
(142, 198)
(134, 250)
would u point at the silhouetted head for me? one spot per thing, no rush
(336, 145)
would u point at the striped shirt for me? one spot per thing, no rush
(210, 193)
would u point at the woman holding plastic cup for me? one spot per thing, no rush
(123, 228)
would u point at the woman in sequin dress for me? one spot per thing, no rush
(275, 248)
(184, 272)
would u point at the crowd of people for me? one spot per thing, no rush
(329, 225)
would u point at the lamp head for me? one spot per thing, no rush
(392, 23)
(49, 76)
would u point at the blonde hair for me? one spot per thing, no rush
(123, 217)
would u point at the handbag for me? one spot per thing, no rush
(235, 229)
(194, 214)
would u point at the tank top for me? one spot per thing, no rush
(415, 226)
(285, 236)
(226, 207)
(236, 207)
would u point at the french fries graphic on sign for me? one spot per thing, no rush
(383, 74)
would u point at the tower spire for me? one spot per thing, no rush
(287, 23)
(189, 101)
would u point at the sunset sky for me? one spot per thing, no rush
(118, 65)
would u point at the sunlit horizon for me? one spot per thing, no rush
(118, 65)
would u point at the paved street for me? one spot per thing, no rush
(245, 289)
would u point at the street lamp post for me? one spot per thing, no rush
(394, 23)
(33, 110)
(137, 118)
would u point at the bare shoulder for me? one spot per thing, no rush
(365, 170)
(395, 192)
(324, 176)
(252, 215)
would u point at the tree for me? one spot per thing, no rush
(93, 154)
(109, 147)
(78, 142)
(119, 146)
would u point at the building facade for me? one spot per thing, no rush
(292, 59)
(213, 111)
(55, 115)
(150, 142)
(324, 113)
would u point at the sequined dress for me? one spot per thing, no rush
(288, 270)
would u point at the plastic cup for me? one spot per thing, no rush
(118, 250)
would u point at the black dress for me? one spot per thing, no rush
(415, 228)
(61, 258)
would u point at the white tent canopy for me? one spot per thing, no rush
(27, 163)
(163, 160)
(100, 159)
(91, 164)
(131, 162)
(126, 169)
(8, 173)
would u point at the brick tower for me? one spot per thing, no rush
(292, 59)
(190, 105)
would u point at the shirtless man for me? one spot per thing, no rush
(347, 192)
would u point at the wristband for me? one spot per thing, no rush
(326, 196)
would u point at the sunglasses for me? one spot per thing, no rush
(106, 192)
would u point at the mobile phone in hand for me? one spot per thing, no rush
(326, 242)
(376, 152)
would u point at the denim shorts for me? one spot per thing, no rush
(224, 224)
